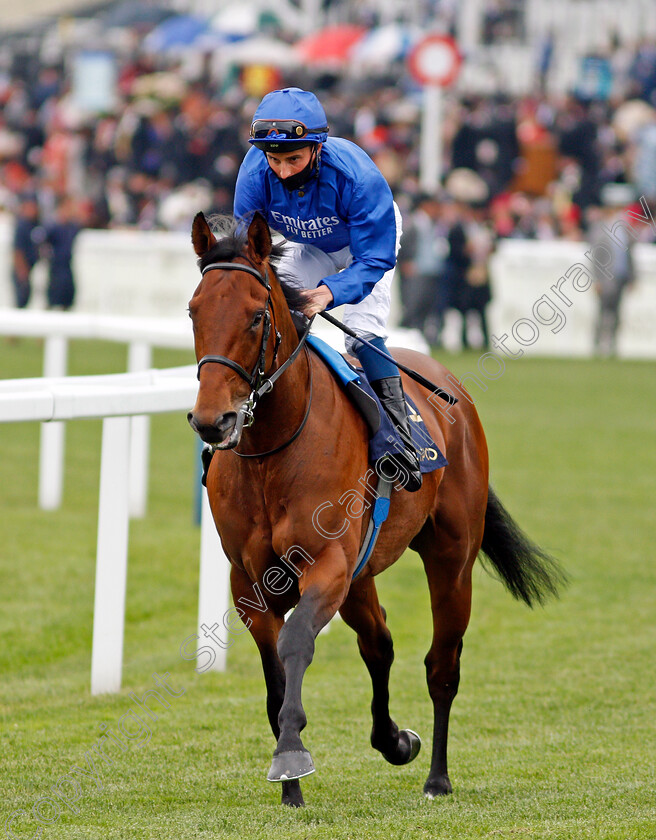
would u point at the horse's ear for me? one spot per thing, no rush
(202, 237)
(259, 238)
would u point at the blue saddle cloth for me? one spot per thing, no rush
(384, 439)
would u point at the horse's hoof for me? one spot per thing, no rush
(415, 743)
(437, 787)
(293, 764)
(406, 749)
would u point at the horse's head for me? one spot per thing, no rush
(235, 330)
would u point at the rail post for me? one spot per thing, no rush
(111, 557)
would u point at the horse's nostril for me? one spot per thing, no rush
(191, 419)
(215, 431)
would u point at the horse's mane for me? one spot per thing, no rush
(232, 239)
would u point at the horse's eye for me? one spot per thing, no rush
(257, 319)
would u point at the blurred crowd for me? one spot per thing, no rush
(172, 143)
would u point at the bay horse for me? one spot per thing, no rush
(291, 495)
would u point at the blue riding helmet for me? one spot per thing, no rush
(288, 119)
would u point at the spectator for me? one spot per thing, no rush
(486, 142)
(421, 260)
(611, 277)
(471, 243)
(476, 292)
(60, 235)
(457, 263)
(25, 248)
(643, 72)
(577, 140)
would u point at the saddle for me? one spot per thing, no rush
(383, 436)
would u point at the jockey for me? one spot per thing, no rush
(342, 227)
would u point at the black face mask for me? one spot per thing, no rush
(296, 181)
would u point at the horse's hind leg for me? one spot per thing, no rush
(363, 612)
(449, 582)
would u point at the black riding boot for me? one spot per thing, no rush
(390, 393)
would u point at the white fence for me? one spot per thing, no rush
(124, 401)
(117, 398)
(524, 272)
(57, 328)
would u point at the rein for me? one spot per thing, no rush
(259, 382)
(296, 433)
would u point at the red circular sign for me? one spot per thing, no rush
(435, 60)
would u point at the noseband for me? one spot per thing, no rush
(260, 384)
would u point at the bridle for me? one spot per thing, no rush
(255, 378)
(258, 380)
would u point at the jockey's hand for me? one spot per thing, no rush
(316, 300)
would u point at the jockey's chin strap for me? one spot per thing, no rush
(258, 380)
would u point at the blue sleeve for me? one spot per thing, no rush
(372, 233)
(248, 193)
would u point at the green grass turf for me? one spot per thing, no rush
(552, 734)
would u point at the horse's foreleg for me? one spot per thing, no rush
(323, 587)
(265, 627)
(363, 612)
(274, 676)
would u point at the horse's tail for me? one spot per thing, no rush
(528, 572)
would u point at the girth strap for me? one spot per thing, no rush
(378, 516)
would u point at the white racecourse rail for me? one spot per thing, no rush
(120, 399)
(115, 398)
(56, 328)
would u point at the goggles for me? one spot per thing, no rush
(282, 130)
